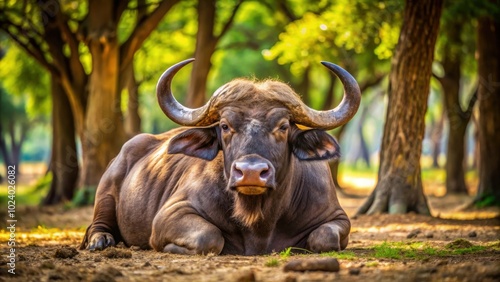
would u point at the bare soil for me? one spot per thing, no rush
(47, 240)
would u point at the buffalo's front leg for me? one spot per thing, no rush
(179, 229)
(330, 236)
(103, 232)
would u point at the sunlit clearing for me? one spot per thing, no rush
(53, 236)
(358, 183)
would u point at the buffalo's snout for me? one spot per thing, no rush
(252, 175)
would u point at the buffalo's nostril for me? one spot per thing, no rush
(238, 173)
(264, 174)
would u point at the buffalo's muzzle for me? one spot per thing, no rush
(252, 175)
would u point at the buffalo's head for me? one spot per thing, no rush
(259, 126)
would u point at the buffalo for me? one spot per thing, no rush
(247, 175)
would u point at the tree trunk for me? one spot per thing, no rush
(64, 159)
(129, 83)
(363, 147)
(4, 151)
(399, 188)
(436, 136)
(304, 85)
(104, 131)
(334, 164)
(457, 118)
(489, 113)
(205, 47)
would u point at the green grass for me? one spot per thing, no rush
(385, 250)
(405, 250)
(347, 255)
(272, 262)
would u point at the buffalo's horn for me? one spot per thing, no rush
(342, 113)
(174, 110)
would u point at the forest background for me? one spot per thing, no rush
(77, 79)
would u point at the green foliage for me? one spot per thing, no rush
(385, 250)
(338, 32)
(272, 262)
(488, 200)
(347, 255)
(26, 82)
(84, 196)
(286, 253)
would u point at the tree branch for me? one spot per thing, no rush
(33, 49)
(440, 79)
(230, 21)
(472, 102)
(372, 81)
(142, 30)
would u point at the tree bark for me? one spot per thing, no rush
(206, 42)
(64, 159)
(304, 85)
(129, 83)
(436, 136)
(489, 113)
(104, 131)
(399, 188)
(458, 119)
(4, 151)
(205, 47)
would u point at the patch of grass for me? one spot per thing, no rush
(371, 264)
(473, 249)
(385, 250)
(272, 262)
(347, 255)
(286, 253)
(459, 244)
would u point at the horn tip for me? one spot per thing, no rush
(328, 64)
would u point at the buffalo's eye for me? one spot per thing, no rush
(224, 127)
(284, 127)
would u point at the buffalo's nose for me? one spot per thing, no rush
(251, 174)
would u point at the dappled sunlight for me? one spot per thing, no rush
(52, 236)
(365, 184)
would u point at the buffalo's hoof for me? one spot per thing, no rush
(100, 241)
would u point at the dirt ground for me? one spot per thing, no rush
(417, 248)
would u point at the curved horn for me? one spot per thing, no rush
(171, 107)
(342, 113)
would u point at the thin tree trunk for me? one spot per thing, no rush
(205, 47)
(206, 42)
(363, 147)
(489, 113)
(457, 118)
(436, 136)
(3, 150)
(16, 143)
(334, 164)
(304, 85)
(129, 83)
(399, 188)
(64, 159)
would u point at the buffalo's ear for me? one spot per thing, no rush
(196, 142)
(315, 145)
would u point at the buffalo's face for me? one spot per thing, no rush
(257, 146)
